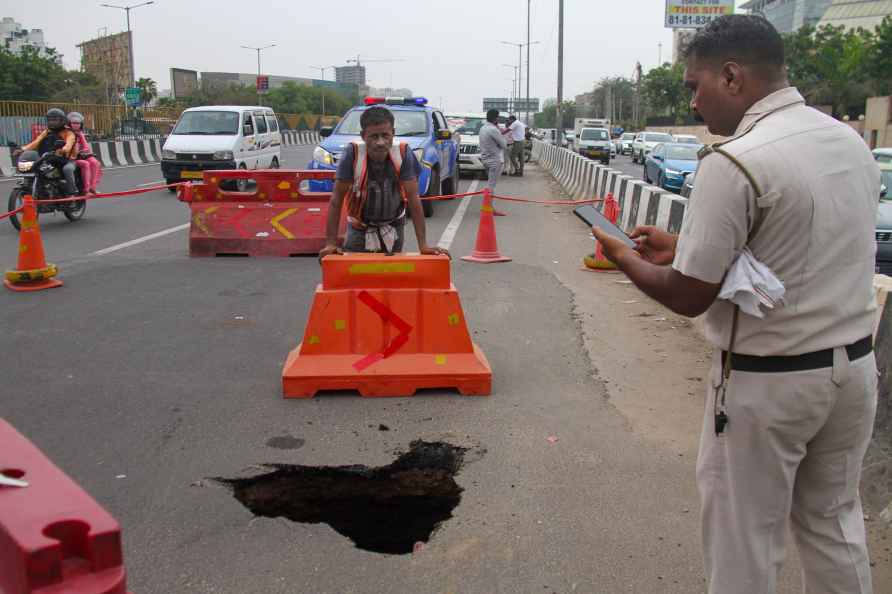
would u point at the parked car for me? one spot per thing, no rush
(645, 142)
(221, 137)
(883, 155)
(884, 223)
(667, 165)
(594, 143)
(626, 143)
(686, 139)
(469, 145)
(422, 127)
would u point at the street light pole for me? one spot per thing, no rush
(520, 46)
(322, 70)
(258, 50)
(528, 65)
(560, 73)
(127, 10)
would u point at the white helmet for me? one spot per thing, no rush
(75, 117)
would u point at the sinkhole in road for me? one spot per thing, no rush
(385, 509)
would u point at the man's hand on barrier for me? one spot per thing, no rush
(655, 245)
(435, 251)
(329, 250)
(614, 249)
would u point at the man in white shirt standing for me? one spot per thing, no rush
(517, 134)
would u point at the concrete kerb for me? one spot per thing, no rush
(124, 153)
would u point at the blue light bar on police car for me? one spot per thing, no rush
(420, 101)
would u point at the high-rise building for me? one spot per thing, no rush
(108, 59)
(15, 39)
(852, 14)
(351, 75)
(680, 39)
(788, 15)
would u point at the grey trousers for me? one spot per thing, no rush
(517, 156)
(493, 171)
(791, 454)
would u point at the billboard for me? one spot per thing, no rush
(183, 83)
(108, 59)
(693, 14)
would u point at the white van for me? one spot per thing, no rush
(221, 137)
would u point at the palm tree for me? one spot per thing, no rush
(148, 90)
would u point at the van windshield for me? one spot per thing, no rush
(208, 123)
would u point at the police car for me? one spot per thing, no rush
(420, 126)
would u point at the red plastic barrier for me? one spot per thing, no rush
(53, 536)
(276, 218)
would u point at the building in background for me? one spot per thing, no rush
(852, 14)
(585, 105)
(789, 15)
(183, 83)
(218, 80)
(16, 39)
(108, 59)
(351, 75)
(389, 92)
(508, 104)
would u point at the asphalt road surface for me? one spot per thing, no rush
(150, 373)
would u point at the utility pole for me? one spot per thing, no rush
(258, 50)
(528, 64)
(322, 70)
(660, 54)
(520, 63)
(560, 73)
(127, 10)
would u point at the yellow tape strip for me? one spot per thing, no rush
(198, 219)
(440, 359)
(382, 268)
(280, 217)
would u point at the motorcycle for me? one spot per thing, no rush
(40, 176)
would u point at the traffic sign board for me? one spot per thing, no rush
(262, 83)
(132, 96)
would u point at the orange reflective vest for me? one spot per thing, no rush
(360, 191)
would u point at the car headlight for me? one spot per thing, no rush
(320, 155)
(672, 172)
(419, 155)
(168, 155)
(223, 156)
(25, 166)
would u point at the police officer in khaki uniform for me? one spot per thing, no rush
(789, 413)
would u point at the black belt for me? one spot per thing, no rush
(804, 362)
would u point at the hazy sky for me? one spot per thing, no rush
(451, 49)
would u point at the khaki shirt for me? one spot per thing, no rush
(820, 188)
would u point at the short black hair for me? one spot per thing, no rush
(492, 116)
(374, 116)
(746, 39)
(512, 117)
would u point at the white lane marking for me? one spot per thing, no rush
(452, 228)
(139, 240)
(152, 183)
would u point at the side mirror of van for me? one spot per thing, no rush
(444, 134)
(325, 131)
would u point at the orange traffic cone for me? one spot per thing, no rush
(32, 272)
(597, 261)
(486, 249)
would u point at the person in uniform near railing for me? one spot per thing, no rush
(492, 148)
(792, 395)
(379, 181)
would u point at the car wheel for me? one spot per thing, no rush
(447, 187)
(433, 189)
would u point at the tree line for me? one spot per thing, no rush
(829, 65)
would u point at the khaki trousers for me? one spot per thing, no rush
(792, 452)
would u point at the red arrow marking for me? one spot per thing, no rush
(387, 315)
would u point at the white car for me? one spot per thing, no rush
(221, 137)
(625, 142)
(469, 146)
(687, 139)
(645, 142)
(883, 155)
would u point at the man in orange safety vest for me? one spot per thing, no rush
(379, 181)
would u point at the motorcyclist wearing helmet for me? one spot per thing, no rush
(91, 168)
(46, 143)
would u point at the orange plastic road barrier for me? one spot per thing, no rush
(276, 218)
(386, 326)
(598, 261)
(53, 536)
(32, 273)
(486, 249)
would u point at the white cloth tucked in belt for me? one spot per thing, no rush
(751, 285)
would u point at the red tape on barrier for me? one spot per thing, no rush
(109, 194)
(387, 315)
(12, 212)
(549, 202)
